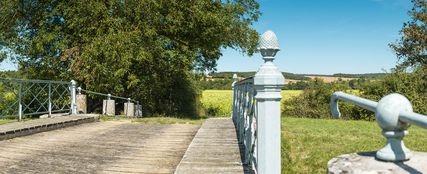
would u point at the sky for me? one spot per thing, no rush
(327, 36)
(323, 36)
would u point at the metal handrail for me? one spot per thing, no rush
(109, 96)
(245, 118)
(34, 81)
(393, 114)
(247, 80)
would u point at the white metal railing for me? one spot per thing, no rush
(393, 114)
(19, 98)
(244, 112)
(256, 111)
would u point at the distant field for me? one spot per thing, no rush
(308, 144)
(328, 79)
(218, 102)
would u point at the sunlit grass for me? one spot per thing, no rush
(4, 121)
(218, 102)
(155, 120)
(308, 144)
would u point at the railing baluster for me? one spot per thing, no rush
(50, 100)
(20, 101)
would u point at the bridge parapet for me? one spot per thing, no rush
(20, 98)
(256, 111)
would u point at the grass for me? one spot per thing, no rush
(155, 120)
(4, 121)
(308, 144)
(218, 102)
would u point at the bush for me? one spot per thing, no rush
(314, 102)
(411, 85)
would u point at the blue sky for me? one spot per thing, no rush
(324, 36)
(327, 36)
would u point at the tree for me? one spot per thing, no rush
(145, 49)
(411, 49)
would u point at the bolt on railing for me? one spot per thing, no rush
(19, 98)
(256, 111)
(393, 114)
(109, 97)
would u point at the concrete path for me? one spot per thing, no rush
(101, 147)
(214, 149)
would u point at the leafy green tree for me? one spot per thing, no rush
(411, 49)
(145, 49)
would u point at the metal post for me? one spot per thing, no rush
(50, 101)
(73, 97)
(20, 102)
(268, 82)
(233, 95)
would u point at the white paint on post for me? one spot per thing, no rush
(73, 106)
(268, 82)
(233, 95)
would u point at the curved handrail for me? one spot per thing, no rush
(393, 114)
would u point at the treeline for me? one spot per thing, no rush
(223, 80)
(288, 75)
(314, 101)
(229, 75)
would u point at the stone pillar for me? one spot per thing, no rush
(81, 104)
(268, 82)
(108, 107)
(138, 110)
(129, 109)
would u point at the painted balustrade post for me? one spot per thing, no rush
(49, 104)
(233, 105)
(20, 112)
(73, 107)
(268, 82)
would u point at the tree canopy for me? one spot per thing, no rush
(411, 49)
(146, 49)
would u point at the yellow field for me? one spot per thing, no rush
(218, 102)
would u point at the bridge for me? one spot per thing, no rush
(249, 141)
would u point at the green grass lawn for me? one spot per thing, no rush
(218, 102)
(3, 121)
(155, 120)
(308, 144)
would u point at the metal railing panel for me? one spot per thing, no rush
(20, 98)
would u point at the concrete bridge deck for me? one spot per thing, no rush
(214, 149)
(122, 147)
(101, 147)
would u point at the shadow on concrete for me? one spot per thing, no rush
(401, 164)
